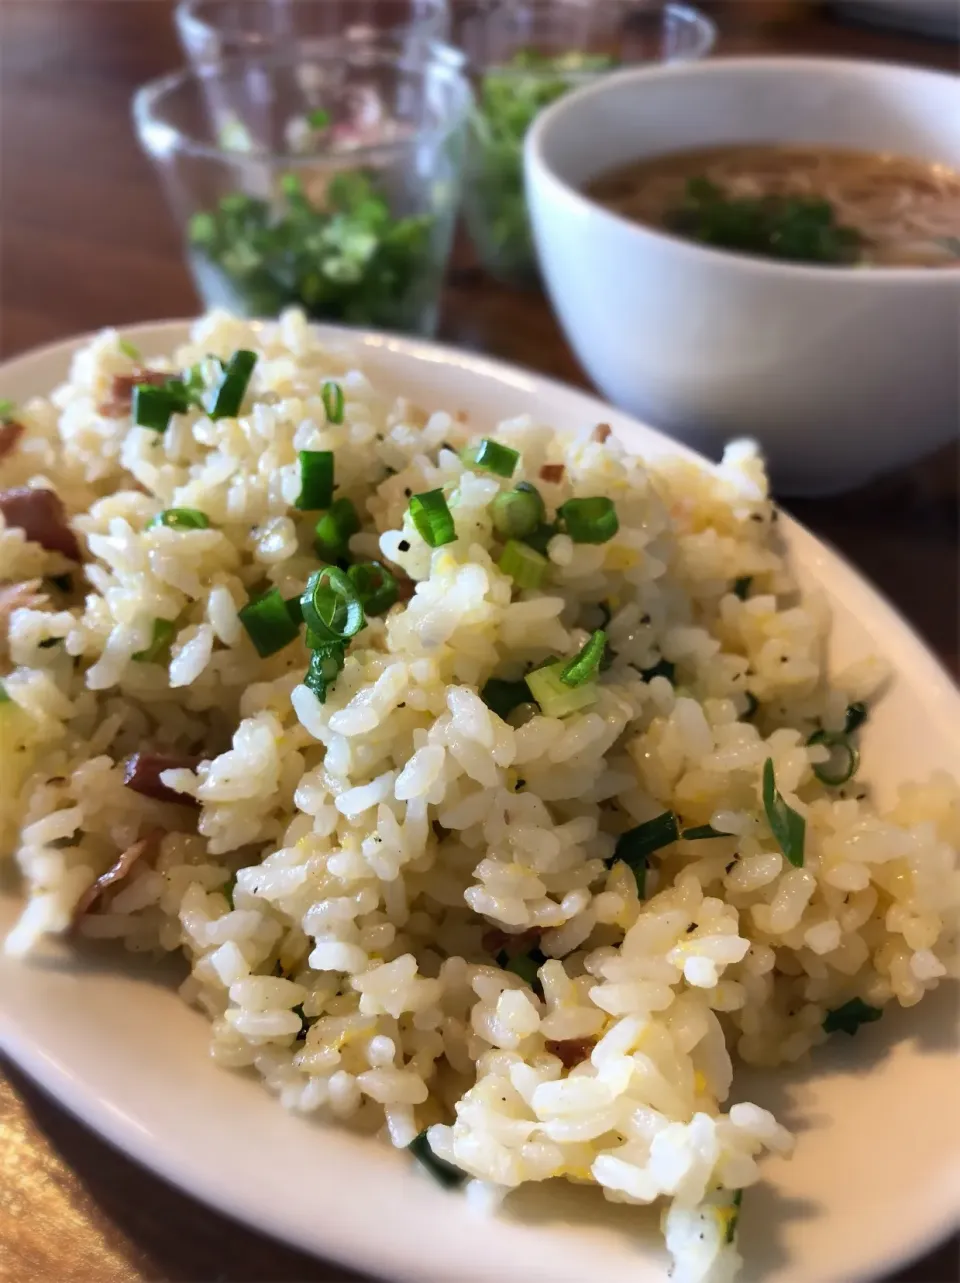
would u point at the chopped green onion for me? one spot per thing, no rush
(502, 697)
(492, 457)
(555, 697)
(326, 663)
(741, 586)
(539, 539)
(585, 665)
(316, 480)
(787, 827)
(7, 408)
(843, 761)
(331, 394)
(159, 648)
(856, 716)
(443, 1173)
(848, 1018)
(432, 518)
(268, 623)
(129, 349)
(226, 398)
(4, 697)
(154, 406)
(751, 710)
(180, 519)
(589, 520)
(331, 605)
(525, 567)
(229, 889)
(636, 845)
(525, 967)
(319, 118)
(334, 529)
(734, 1220)
(703, 831)
(517, 513)
(376, 586)
(662, 668)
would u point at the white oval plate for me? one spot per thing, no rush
(876, 1174)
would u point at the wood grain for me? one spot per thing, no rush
(86, 241)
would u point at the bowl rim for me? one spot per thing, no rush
(422, 56)
(552, 120)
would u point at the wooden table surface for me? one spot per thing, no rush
(85, 241)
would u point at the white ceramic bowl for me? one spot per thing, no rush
(841, 374)
(876, 1174)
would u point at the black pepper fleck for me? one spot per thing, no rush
(407, 492)
(404, 545)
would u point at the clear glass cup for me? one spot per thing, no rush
(522, 56)
(212, 30)
(327, 177)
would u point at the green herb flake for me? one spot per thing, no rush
(848, 1018)
(502, 696)
(787, 827)
(635, 847)
(7, 408)
(443, 1173)
(741, 587)
(797, 229)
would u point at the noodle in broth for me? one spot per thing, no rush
(903, 212)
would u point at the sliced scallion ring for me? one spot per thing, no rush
(591, 520)
(227, 396)
(432, 518)
(844, 758)
(326, 663)
(375, 585)
(268, 623)
(180, 519)
(526, 567)
(493, 457)
(316, 480)
(517, 513)
(334, 529)
(585, 665)
(331, 605)
(331, 394)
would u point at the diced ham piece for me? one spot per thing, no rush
(552, 472)
(41, 516)
(121, 389)
(10, 433)
(141, 773)
(116, 873)
(572, 1051)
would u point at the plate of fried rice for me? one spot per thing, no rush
(460, 831)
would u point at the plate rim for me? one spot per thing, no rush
(52, 1073)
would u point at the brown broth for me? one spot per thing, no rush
(906, 211)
